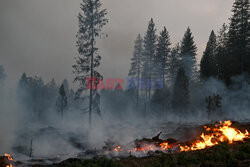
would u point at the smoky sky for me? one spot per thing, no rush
(38, 36)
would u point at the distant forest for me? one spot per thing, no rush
(218, 86)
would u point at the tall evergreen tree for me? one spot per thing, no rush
(174, 62)
(221, 52)
(66, 86)
(91, 23)
(23, 81)
(208, 65)
(136, 65)
(238, 39)
(2, 75)
(180, 99)
(162, 55)
(188, 54)
(150, 40)
(62, 100)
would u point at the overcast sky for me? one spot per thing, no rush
(38, 36)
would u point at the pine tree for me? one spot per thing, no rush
(52, 85)
(180, 99)
(136, 65)
(158, 100)
(238, 39)
(51, 90)
(174, 62)
(91, 23)
(2, 75)
(22, 90)
(208, 65)
(221, 52)
(62, 100)
(188, 54)
(150, 40)
(37, 95)
(162, 55)
(23, 81)
(66, 86)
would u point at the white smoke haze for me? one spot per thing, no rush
(56, 136)
(49, 135)
(8, 120)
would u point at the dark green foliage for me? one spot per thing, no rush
(245, 148)
(208, 66)
(180, 100)
(96, 162)
(232, 56)
(238, 39)
(160, 101)
(174, 62)
(136, 62)
(233, 46)
(161, 70)
(162, 55)
(136, 66)
(188, 54)
(150, 40)
(91, 21)
(221, 53)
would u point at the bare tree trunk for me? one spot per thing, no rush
(138, 84)
(91, 68)
(150, 77)
(31, 147)
(146, 102)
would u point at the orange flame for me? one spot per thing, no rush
(145, 148)
(165, 146)
(222, 132)
(118, 148)
(9, 159)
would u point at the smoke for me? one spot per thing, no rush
(234, 102)
(8, 120)
(53, 135)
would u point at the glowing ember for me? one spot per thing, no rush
(9, 159)
(145, 148)
(165, 146)
(118, 148)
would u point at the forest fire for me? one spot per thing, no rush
(222, 132)
(211, 136)
(6, 160)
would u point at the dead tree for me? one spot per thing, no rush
(213, 104)
(31, 148)
(62, 101)
(96, 104)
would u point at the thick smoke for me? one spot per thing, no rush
(53, 135)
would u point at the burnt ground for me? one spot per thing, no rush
(237, 154)
(223, 155)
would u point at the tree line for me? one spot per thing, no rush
(155, 56)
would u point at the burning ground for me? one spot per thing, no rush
(221, 144)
